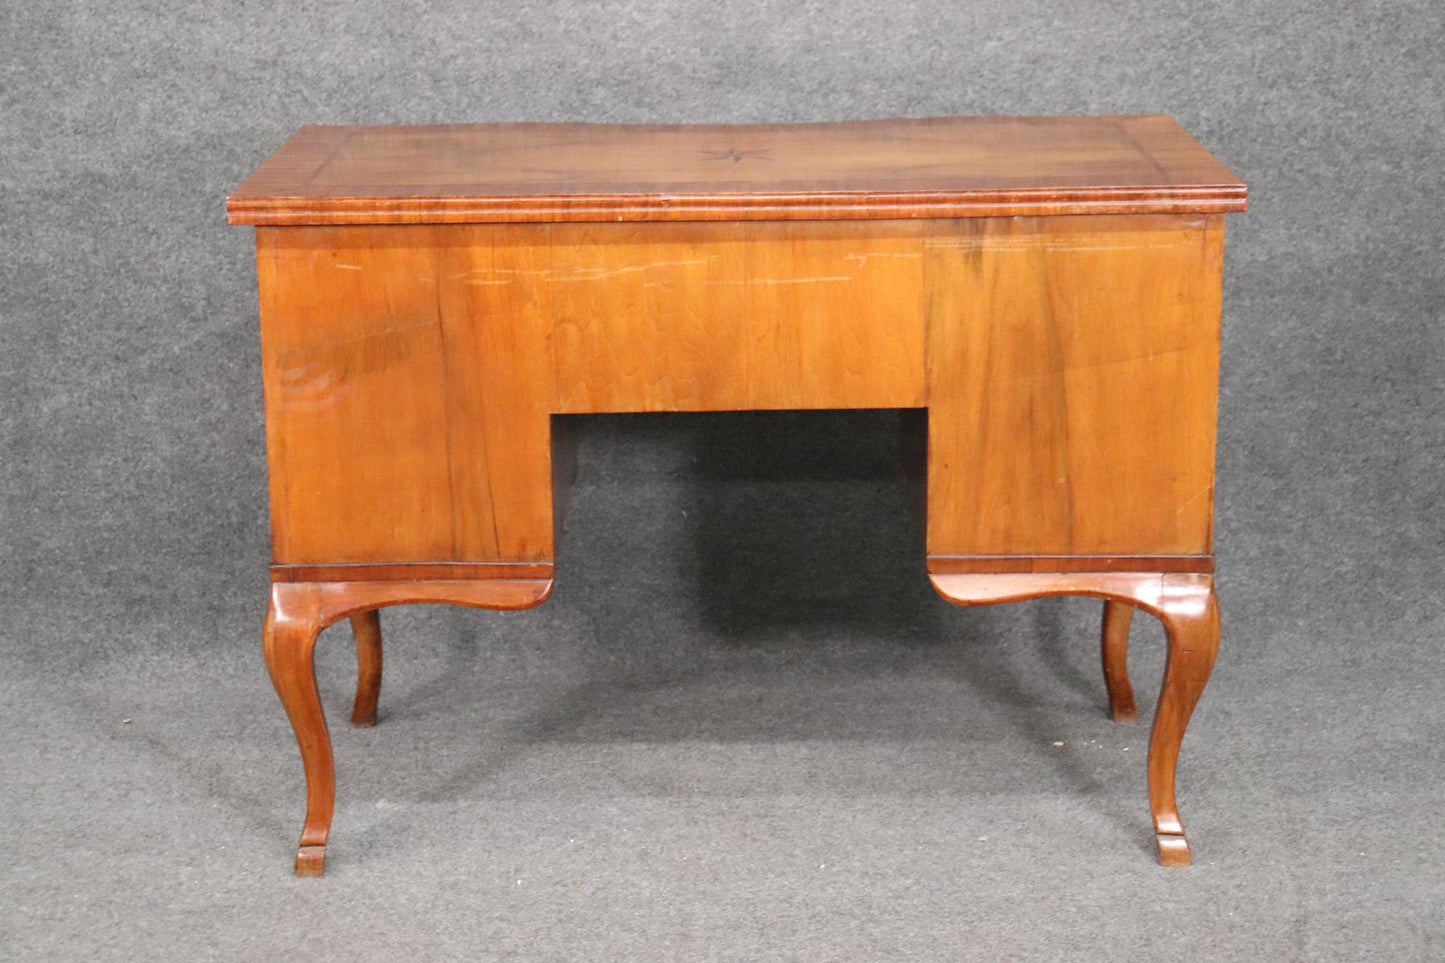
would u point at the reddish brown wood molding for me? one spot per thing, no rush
(410, 571)
(297, 613)
(1186, 604)
(982, 564)
(885, 169)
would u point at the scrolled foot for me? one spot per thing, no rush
(1173, 849)
(311, 861)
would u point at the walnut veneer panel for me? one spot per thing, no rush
(1071, 369)
(407, 394)
(934, 167)
(1073, 365)
(706, 317)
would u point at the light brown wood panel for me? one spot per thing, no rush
(715, 317)
(649, 317)
(356, 408)
(1053, 564)
(407, 376)
(1072, 368)
(497, 319)
(835, 314)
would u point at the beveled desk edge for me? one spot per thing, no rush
(297, 211)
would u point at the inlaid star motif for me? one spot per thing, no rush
(735, 155)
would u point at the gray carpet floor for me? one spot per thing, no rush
(685, 756)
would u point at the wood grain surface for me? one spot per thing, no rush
(717, 317)
(1069, 365)
(885, 169)
(1072, 382)
(407, 397)
(1114, 654)
(366, 633)
(983, 564)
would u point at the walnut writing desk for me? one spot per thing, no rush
(1047, 288)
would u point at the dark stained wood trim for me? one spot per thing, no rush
(410, 571)
(294, 211)
(1004, 564)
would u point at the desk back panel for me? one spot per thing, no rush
(729, 316)
(1069, 365)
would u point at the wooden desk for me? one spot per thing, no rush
(1048, 288)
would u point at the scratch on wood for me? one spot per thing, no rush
(486, 273)
(815, 280)
(1207, 490)
(1046, 242)
(577, 273)
(863, 259)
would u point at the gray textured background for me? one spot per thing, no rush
(743, 728)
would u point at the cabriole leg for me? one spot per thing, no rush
(1190, 613)
(293, 621)
(297, 614)
(1185, 603)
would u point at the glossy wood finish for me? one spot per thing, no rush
(297, 613)
(1186, 604)
(288, 641)
(887, 169)
(434, 299)
(1085, 430)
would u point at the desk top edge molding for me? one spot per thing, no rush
(889, 169)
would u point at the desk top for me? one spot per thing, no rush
(937, 167)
